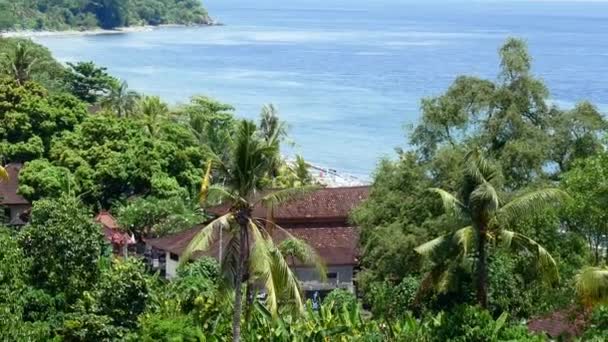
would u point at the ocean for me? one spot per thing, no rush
(348, 76)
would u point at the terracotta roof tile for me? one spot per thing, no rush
(567, 323)
(322, 204)
(336, 245)
(8, 190)
(111, 229)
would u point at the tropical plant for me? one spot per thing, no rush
(19, 63)
(488, 218)
(121, 100)
(153, 110)
(592, 285)
(250, 253)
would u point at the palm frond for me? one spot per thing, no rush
(4, 177)
(592, 285)
(545, 262)
(462, 239)
(530, 203)
(203, 239)
(300, 250)
(269, 266)
(451, 204)
(285, 195)
(218, 194)
(429, 247)
(260, 264)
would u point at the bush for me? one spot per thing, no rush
(156, 328)
(472, 324)
(390, 301)
(340, 299)
(598, 329)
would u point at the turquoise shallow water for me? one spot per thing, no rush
(348, 76)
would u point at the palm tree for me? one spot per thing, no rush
(592, 285)
(153, 111)
(19, 63)
(121, 99)
(487, 218)
(250, 253)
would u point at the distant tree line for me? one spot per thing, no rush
(107, 14)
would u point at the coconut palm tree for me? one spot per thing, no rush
(592, 285)
(250, 254)
(487, 220)
(152, 111)
(121, 99)
(19, 63)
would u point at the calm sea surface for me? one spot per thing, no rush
(348, 75)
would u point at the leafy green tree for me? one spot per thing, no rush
(394, 220)
(88, 82)
(111, 159)
(479, 205)
(64, 245)
(123, 291)
(587, 215)
(153, 217)
(250, 162)
(511, 119)
(211, 122)
(30, 119)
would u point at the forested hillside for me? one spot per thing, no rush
(88, 14)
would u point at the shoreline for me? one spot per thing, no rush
(94, 32)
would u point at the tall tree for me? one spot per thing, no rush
(89, 82)
(153, 111)
(121, 100)
(250, 253)
(488, 218)
(20, 62)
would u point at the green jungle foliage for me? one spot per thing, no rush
(87, 142)
(88, 14)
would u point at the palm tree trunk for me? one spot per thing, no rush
(482, 270)
(238, 293)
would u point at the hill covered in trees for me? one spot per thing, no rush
(106, 14)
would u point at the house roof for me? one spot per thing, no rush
(336, 245)
(567, 323)
(8, 190)
(111, 229)
(321, 204)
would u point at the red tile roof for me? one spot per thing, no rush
(319, 218)
(322, 204)
(336, 245)
(111, 229)
(8, 190)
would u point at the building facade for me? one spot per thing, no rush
(320, 218)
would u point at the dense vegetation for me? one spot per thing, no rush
(88, 14)
(496, 214)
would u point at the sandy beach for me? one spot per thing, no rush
(120, 30)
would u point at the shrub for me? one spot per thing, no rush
(341, 298)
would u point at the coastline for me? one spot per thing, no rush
(93, 32)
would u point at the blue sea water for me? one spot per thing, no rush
(348, 75)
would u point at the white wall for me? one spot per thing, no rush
(311, 280)
(170, 266)
(17, 210)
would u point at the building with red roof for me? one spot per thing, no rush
(14, 204)
(320, 218)
(119, 240)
